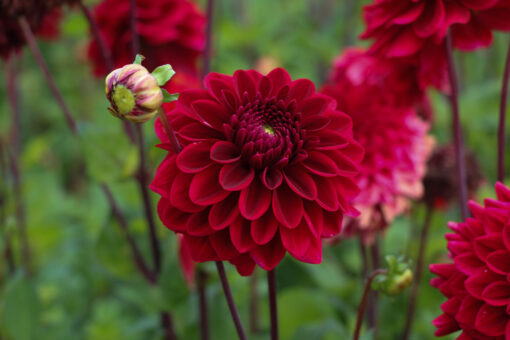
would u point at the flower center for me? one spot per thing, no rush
(267, 131)
(123, 99)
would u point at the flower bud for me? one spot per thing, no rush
(134, 93)
(399, 283)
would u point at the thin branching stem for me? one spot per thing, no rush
(502, 119)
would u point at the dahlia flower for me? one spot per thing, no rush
(186, 262)
(170, 31)
(11, 36)
(476, 283)
(134, 93)
(395, 139)
(267, 167)
(402, 27)
(441, 182)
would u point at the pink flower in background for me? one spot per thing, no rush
(395, 138)
(170, 31)
(476, 283)
(267, 167)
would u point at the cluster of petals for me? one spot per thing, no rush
(12, 38)
(267, 167)
(170, 32)
(394, 137)
(416, 29)
(477, 283)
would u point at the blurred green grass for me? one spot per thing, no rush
(86, 286)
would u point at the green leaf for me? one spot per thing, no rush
(138, 59)
(163, 74)
(169, 97)
(20, 310)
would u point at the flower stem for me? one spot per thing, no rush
(202, 297)
(13, 156)
(457, 129)
(418, 273)
(105, 51)
(230, 300)
(254, 303)
(142, 179)
(206, 62)
(372, 301)
(9, 258)
(502, 120)
(174, 142)
(136, 253)
(168, 326)
(364, 299)
(34, 48)
(273, 310)
(135, 44)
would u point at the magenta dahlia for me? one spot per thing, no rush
(395, 140)
(170, 31)
(477, 282)
(267, 166)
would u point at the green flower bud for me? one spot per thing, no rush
(399, 283)
(134, 93)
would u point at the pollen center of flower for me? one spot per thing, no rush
(123, 99)
(268, 129)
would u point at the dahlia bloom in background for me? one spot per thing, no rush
(416, 29)
(441, 182)
(395, 138)
(476, 283)
(170, 31)
(267, 166)
(11, 37)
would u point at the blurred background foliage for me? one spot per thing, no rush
(85, 285)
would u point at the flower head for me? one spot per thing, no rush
(11, 35)
(441, 182)
(476, 283)
(170, 31)
(266, 167)
(395, 139)
(134, 93)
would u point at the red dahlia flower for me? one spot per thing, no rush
(395, 139)
(11, 36)
(170, 31)
(477, 282)
(267, 166)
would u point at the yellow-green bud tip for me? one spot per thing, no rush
(400, 282)
(268, 129)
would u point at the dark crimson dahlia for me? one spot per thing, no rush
(43, 24)
(477, 282)
(170, 31)
(267, 167)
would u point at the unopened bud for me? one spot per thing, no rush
(399, 283)
(134, 93)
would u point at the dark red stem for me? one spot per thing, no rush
(206, 62)
(254, 303)
(230, 300)
(174, 142)
(168, 326)
(413, 299)
(34, 48)
(8, 255)
(502, 120)
(103, 47)
(143, 182)
(273, 308)
(135, 252)
(13, 157)
(364, 299)
(135, 45)
(457, 129)
(372, 301)
(202, 298)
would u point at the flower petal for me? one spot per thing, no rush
(205, 189)
(224, 152)
(269, 255)
(254, 200)
(194, 157)
(223, 213)
(300, 182)
(263, 229)
(236, 176)
(287, 207)
(240, 235)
